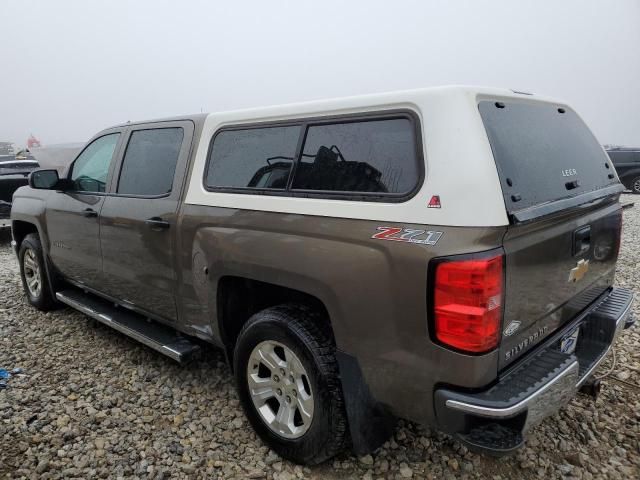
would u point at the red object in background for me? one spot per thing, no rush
(33, 142)
(434, 202)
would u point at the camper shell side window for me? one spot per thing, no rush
(373, 158)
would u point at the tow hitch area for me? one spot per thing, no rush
(591, 387)
(630, 322)
(496, 420)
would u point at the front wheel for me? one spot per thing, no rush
(34, 275)
(635, 185)
(288, 383)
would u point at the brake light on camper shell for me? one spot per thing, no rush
(467, 303)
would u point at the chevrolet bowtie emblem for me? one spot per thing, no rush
(579, 271)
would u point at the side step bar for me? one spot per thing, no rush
(159, 337)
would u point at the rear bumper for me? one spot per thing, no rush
(495, 420)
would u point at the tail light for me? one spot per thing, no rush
(467, 303)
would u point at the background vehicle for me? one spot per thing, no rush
(627, 163)
(445, 255)
(13, 174)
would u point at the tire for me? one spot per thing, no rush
(295, 334)
(634, 185)
(34, 274)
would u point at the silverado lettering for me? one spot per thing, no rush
(530, 340)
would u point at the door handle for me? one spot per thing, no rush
(157, 223)
(89, 212)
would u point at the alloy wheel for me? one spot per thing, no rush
(32, 272)
(280, 389)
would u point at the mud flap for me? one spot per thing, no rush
(370, 424)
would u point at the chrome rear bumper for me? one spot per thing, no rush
(540, 385)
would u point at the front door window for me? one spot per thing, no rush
(91, 168)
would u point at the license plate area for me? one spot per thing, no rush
(569, 341)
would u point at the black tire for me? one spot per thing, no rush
(45, 299)
(301, 330)
(634, 185)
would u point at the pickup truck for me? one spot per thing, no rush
(444, 255)
(626, 160)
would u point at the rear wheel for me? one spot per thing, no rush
(635, 185)
(34, 275)
(288, 383)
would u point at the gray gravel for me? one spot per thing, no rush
(92, 403)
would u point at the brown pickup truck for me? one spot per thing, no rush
(444, 255)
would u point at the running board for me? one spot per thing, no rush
(152, 334)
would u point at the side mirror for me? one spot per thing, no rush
(47, 180)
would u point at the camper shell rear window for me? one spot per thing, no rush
(543, 153)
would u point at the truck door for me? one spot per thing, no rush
(138, 219)
(72, 216)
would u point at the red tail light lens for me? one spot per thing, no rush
(467, 303)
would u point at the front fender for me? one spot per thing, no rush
(29, 207)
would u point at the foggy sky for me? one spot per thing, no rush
(70, 68)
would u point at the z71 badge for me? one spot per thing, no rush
(409, 235)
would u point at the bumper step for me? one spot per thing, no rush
(493, 438)
(159, 337)
(494, 420)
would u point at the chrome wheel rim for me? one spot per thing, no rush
(32, 272)
(636, 186)
(280, 389)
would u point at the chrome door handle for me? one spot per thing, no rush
(157, 223)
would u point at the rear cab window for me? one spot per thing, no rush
(374, 159)
(544, 153)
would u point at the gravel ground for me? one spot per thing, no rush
(92, 403)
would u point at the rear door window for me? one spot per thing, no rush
(377, 156)
(543, 153)
(149, 163)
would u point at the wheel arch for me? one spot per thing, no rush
(20, 229)
(628, 177)
(28, 216)
(240, 297)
